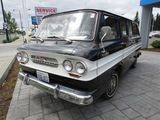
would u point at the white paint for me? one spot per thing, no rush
(94, 68)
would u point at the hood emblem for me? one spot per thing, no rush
(44, 60)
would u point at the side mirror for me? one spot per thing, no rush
(105, 32)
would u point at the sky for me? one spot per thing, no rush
(125, 8)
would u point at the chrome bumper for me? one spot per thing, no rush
(57, 91)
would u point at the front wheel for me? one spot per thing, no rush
(112, 86)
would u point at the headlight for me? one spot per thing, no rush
(19, 57)
(80, 68)
(22, 57)
(67, 65)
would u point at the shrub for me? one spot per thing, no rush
(156, 44)
(157, 35)
(5, 41)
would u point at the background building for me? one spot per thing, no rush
(147, 8)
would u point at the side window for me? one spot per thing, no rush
(123, 28)
(110, 25)
(135, 29)
(130, 32)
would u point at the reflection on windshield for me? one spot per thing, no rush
(77, 26)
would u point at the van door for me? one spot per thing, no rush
(126, 43)
(132, 40)
(124, 33)
(130, 33)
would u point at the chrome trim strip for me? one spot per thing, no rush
(57, 91)
(111, 60)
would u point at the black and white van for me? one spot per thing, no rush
(80, 55)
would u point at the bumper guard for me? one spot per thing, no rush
(57, 91)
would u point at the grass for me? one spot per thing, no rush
(11, 40)
(152, 49)
(7, 89)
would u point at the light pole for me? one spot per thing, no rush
(24, 13)
(20, 18)
(153, 23)
(28, 17)
(5, 23)
(21, 23)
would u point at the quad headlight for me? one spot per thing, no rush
(22, 57)
(80, 68)
(67, 65)
(19, 57)
(74, 67)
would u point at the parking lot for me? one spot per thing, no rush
(138, 98)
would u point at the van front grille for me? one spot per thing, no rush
(44, 60)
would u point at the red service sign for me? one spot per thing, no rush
(43, 11)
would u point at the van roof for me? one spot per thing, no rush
(97, 10)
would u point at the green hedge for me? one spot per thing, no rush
(11, 40)
(156, 44)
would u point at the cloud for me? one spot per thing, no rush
(126, 8)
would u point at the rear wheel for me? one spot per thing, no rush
(112, 86)
(134, 63)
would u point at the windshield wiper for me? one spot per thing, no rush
(38, 38)
(64, 38)
(53, 37)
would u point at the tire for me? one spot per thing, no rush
(134, 64)
(112, 86)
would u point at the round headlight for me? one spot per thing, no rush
(19, 57)
(80, 68)
(67, 65)
(25, 58)
(22, 57)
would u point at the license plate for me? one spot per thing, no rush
(43, 76)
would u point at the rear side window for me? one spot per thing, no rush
(130, 32)
(123, 28)
(135, 29)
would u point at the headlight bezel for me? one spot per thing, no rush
(74, 69)
(83, 65)
(24, 57)
(71, 65)
(19, 56)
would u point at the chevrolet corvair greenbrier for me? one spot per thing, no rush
(80, 55)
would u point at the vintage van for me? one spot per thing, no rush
(80, 55)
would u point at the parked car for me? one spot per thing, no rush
(154, 34)
(80, 55)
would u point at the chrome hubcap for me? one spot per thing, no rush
(112, 86)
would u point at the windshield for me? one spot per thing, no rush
(75, 26)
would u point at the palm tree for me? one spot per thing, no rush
(12, 25)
